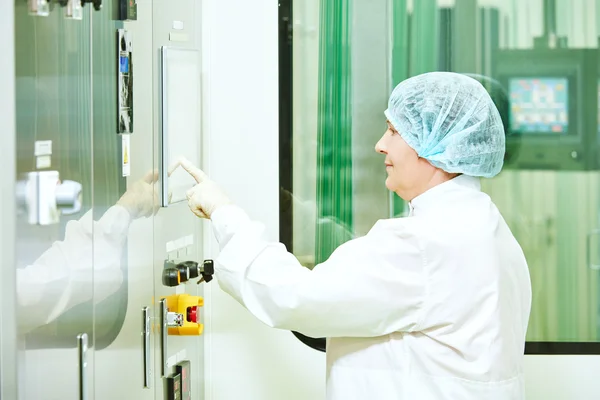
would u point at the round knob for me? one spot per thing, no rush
(193, 269)
(170, 277)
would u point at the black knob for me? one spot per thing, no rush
(185, 272)
(170, 277)
(192, 268)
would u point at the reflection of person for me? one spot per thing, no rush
(61, 278)
(431, 306)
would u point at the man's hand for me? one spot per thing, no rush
(206, 196)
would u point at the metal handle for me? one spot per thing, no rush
(589, 246)
(164, 140)
(164, 333)
(146, 345)
(82, 346)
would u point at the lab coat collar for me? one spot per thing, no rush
(436, 193)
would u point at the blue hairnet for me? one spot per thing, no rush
(450, 120)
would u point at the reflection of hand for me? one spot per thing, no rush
(141, 199)
(206, 196)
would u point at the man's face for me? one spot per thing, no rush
(407, 173)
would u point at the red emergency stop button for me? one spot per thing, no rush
(193, 315)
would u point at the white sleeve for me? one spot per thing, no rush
(86, 262)
(369, 287)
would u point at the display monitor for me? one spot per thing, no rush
(552, 107)
(539, 105)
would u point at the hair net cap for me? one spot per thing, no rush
(450, 120)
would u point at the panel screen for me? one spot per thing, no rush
(539, 105)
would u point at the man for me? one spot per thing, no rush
(431, 306)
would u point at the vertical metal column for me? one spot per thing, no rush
(8, 334)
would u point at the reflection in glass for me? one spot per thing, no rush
(71, 234)
(59, 280)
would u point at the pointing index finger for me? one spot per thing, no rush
(195, 172)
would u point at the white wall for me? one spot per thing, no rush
(562, 377)
(245, 359)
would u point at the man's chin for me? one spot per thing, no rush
(389, 185)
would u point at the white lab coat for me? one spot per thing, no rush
(432, 306)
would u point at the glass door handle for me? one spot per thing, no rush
(164, 332)
(82, 348)
(146, 345)
(589, 246)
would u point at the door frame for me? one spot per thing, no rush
(8, 333)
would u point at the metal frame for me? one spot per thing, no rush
(8, 326)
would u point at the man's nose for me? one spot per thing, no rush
(379, 147)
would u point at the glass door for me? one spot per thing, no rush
(54, 248)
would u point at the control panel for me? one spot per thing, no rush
(180, 316)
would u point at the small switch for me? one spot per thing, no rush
(192, 314)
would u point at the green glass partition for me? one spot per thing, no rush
(541, 68)
(334, 140)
